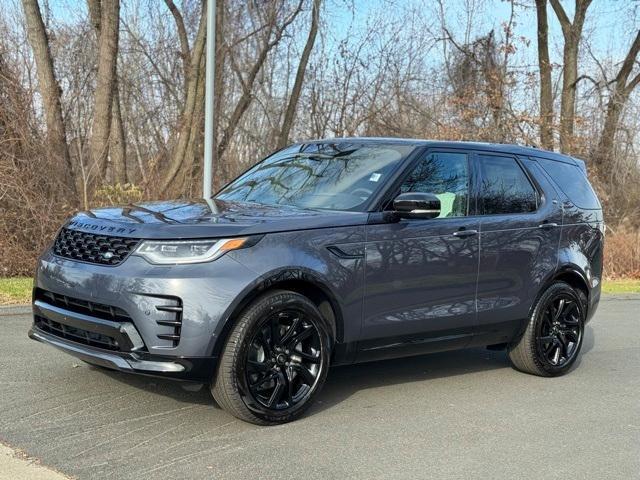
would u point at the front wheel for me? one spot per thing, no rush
(552, 340)
(275, 360)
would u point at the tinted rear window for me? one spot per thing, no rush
(572, 181)
(504, 187)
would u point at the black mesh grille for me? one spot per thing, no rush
(93, 248)
(98, 310)
(75, 334)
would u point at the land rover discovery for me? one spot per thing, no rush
(332, 252)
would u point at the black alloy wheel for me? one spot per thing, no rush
(275, 360)
(554, 332)
(559, 331)
(283, 360)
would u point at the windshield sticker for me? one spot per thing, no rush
(375, 177)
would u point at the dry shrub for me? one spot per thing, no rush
(622, 255)
(31, 203)
(118, 194)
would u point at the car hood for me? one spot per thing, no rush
(205, 219)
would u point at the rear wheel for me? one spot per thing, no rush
(552, 340)
(275, 360)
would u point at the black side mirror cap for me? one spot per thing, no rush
(417, 205)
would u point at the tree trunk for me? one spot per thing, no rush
(218, 82)
(617, 100)
(546, 96)
(50, 91)
(196, 130)
(105, 87)
(196, 75)
(185, 50)
(117, 142)
(289, 115)
(572, 33)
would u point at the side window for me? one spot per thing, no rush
(573, 182)
(504, 187)
(446, 175)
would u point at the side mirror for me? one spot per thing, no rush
(417, 205)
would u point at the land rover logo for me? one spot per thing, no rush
(107, 255)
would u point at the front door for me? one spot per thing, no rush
(421, 274)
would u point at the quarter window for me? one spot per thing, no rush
(446, 175)
(573, 183)
(504, 187)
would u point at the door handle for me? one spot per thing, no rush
(546, 225)
(464, 233)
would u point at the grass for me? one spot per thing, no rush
(626, 285)
(18, 290)
(15, 290)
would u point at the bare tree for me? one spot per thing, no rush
(546, 96)
(218, 81)
(271, 37)
(105, 86)
(192, 105)
(290, 112)
(185, 49)
(622, 88)
(572, 33)
(50, 91)
(117, 143)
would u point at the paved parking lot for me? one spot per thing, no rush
(462, 414)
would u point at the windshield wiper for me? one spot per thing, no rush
(324, 155)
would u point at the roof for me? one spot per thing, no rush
(496, 147)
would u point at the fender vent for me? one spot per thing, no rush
(173, 307)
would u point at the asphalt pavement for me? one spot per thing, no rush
(463, 414)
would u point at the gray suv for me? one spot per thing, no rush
(332, 252)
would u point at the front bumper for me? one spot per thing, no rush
(137, 317)
(183, 368)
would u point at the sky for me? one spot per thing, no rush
(609, 22)
(609, 27)
(606, 19)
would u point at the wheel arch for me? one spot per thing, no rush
(572, 275)
(297, 280)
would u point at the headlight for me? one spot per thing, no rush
(170, 252)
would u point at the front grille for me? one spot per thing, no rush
(75, 334)
(93, 248)
(98, 310)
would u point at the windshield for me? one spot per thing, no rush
(335, 176)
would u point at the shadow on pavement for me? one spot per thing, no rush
(343, 382)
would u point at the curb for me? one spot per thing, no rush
(619, 296)
(16, 463)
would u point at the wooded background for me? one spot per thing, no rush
(106, 105)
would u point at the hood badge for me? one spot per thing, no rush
(78, 225)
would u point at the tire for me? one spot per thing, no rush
(275, 360)
(553, 337)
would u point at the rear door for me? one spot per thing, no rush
(421, 274)
(520, 219)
